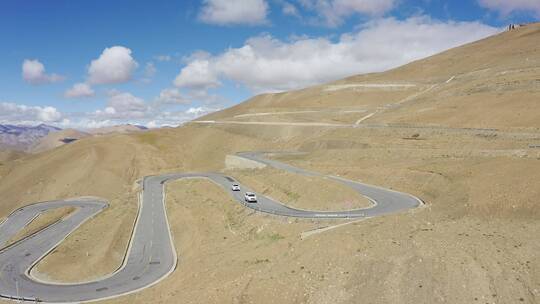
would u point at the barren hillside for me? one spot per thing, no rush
(492, 83)
(57, 139)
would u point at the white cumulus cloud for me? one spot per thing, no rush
(229, 12)
(114, 65)
(79, 90)
(33, 72)
(48, 114)
(125, 108)
(266, 64)
(289, 9)
(29, 115)
(123, 105)
(199, 111)
(333, 12)
(198, 74)
(171, 96)
(506, 7)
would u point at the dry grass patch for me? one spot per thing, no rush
(41, 221)
(303, 192)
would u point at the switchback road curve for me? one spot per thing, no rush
(151, 255)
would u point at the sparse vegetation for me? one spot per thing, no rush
(43, 220)
(275, 237)
(150, 138)
(293, 196)
(257, 261)
(303, 192)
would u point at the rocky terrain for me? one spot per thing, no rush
(23, 137)
(40, 138)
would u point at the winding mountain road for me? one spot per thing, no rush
(151, 255)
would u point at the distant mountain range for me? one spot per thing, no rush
(25, 138)
(22, 137)
(126, 128)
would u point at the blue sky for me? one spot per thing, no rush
(93, 63)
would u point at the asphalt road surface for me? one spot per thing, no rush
(151, 255)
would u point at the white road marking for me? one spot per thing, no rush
(364, 118)
(338, 87)
(309, 233)
(297, 112)
(299, 124)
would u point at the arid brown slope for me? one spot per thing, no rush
(57, 139)
(9, 155)
(491, 83)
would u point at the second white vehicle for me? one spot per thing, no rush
(235, 187)
(250, 197)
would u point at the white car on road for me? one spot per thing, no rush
(250, 197)
(235, 187)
